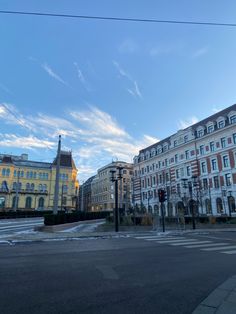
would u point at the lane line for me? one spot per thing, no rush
(191, 242)
(228, 247)
(204, 245)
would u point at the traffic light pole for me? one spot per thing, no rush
(163, 216)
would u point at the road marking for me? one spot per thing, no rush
(192, 242)
(175, 241)
(204, 245)
(167, 239)
(229, 252)
(157, 237)
(227, 247)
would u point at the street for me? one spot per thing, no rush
(115, 275)
(13, 226)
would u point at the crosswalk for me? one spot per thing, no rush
(12, 226)
(192, 243)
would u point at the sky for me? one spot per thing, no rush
(110, 88)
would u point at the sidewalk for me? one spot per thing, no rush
(221, 301)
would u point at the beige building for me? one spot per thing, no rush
(27, 184)
(102, 189)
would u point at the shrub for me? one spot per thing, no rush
(62, 217)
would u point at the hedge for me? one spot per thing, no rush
(24, 214)
(63, 218)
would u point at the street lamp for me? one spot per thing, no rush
(189, 185)
(115, 177)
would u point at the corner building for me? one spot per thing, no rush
(103, 190)
(34, 183)
(196, 165)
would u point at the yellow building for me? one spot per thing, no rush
(33, 183)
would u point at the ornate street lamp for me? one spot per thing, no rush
(115, 177)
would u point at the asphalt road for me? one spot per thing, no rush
(118, 275)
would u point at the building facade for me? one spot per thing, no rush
(102, 189)
(196, 165)
(85, 195)
(29, 185)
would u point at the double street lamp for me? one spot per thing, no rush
(116, 175)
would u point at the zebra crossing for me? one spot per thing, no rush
(206, 245)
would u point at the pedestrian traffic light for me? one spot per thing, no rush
(162, 195)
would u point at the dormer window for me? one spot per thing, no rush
(221, 124)
(233, 119)
(185, 138)
(210, 128)
(200, 133)
(175, 143)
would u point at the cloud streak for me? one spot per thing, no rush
(53, 74)
(134, 89)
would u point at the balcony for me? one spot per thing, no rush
(29, 191)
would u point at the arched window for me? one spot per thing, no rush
(3, 172)
(208, 206)
(2, 202)
(14, 202)
(8, 172)
(219, 205)
(231, 203)
(14, 185)
(27, 186)
(32, 187)
(41, 203)
(28, 202)
(40, 187)
(45, 187)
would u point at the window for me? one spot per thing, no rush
(182, 172)
(210, 129)
(205, 184)
(203, 167)
(228, 179)
(3, 172)
(223, 142)
(212, 146)
(167, 176)
(213, 164)
(41, 203)
(221, 124)
(27, 186)
(177, 173)
(64, 188)
(200, 133)
(15, 173)
(22, 174)
(225, 161)
(187, 154)
(233, 119)
(201, 149)
(28, 202)
(234, 138)
(176, 158)
(216, 182)
(185, 138)
(154, 180)
(124, 171)
(175, 143)
(147, 168)
(188, 171)
(219, 205)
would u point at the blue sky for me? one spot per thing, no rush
(110, 88)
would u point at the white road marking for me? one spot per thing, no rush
(175, 241)
(204, 245)
(192, 242)
(229, 252)
(227, 247)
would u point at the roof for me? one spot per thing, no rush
(194, 126)
(66, 160)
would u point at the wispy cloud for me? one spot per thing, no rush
(95, 136)
(25, 142)
(53, 74)
(81, 77)
(134, 88)
(183, 124)
(200, 52)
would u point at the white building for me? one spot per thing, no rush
(197, 163)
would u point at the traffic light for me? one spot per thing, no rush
(162, 195)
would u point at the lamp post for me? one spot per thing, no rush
(189, 185)
(115, 177)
